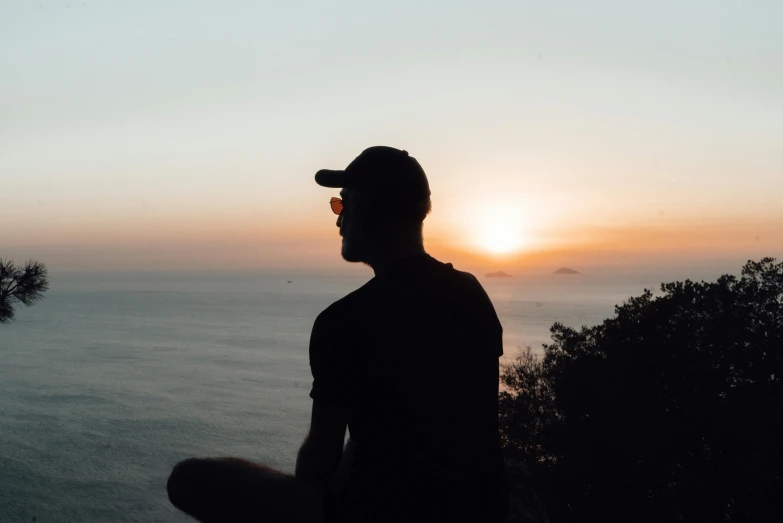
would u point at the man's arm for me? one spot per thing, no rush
(321, 452)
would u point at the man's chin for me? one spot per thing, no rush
(350, 256)
(352, 259)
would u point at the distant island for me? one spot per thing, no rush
(499, 274)
(566, 270)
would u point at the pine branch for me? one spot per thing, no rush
(25, 285)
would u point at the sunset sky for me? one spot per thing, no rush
(185, 135)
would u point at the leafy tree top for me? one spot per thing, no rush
(669, 410)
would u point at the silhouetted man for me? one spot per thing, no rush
(408, 363)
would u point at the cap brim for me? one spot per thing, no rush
(327, 178)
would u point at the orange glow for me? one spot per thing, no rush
(497, 229)
(487, 233)
(500, 238)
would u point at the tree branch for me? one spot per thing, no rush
(25, 285)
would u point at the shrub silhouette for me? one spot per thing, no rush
(20, 284)
(672, 410)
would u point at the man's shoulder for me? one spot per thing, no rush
(466, 278)
(464, 288)
(465, 293)
(347, 305)
(458, 279)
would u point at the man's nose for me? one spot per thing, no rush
(339, 220)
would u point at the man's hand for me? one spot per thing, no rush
(320, 454)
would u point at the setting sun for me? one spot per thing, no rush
(499, 229)
(500, 238)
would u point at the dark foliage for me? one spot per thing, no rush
(20, 284)
(670, 411)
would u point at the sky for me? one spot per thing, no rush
(167, 135)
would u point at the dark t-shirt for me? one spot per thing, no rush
(413, 356)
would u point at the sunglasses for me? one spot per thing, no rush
(337, 206)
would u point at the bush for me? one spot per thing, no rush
(669, 411)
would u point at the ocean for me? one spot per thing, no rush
(113, 378)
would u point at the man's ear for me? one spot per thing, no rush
(365, 216)
(372, 223)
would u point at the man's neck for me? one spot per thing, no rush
(382, 261)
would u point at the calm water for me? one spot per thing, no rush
(114, 378)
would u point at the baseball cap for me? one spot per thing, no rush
(383, 173)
